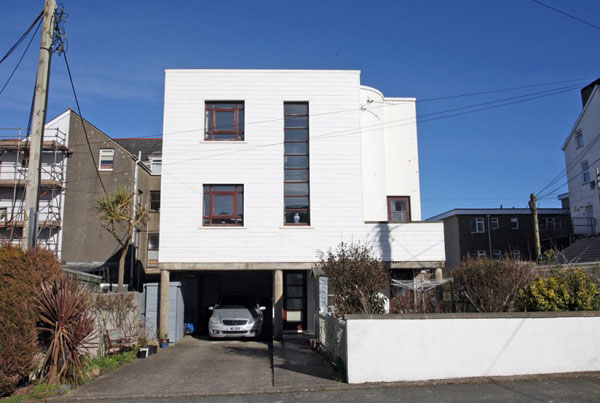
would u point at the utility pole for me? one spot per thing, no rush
(536, 228)
(36, 142)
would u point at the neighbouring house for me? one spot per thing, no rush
(149, 152)
(496, 232)
(263, 168)
(582, 159)
(73, 162)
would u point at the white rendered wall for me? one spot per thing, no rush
(402, 152)
(336, 197)
(372, 121)
(580, 194)
(391, 350)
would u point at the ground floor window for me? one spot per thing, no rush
(153, 240)
(294, 300)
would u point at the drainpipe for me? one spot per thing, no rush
(132, 248)
(489, 235)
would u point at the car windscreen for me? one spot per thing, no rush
(247, 301)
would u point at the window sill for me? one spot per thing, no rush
(223, 142)
(296, 226)
(221, 227)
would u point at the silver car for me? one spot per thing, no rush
(236, 315)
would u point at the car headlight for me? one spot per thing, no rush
(215, 321)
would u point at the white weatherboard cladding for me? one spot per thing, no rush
(582, 194)
(335, 171)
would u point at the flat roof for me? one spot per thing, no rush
(496, 211)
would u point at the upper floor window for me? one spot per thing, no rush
(398, 208)
(107, 159)
(585, 171)
(223, 205)
(494, 225)
(549, 224)
(296, 192)
(156, 166)
(224, 120)
(579, 139)
(477, 225)
(155, 201)
(514, 223)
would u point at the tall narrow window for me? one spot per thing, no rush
(224, 121)
(153, 240)
(398, 208)
(477, 225)
(107, 158)
(585, 170)
(155, 201)
(296, 193)
(579, 139)
(223, 205)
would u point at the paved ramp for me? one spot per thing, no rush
(198, 367)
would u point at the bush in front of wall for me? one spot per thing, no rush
(491, 285)
(564, 290)
(21, 273)
(356, 278)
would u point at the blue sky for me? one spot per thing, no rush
(118, 51)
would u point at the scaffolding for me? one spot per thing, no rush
(13, 178)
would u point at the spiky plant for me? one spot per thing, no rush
(117, 217)
(66, 328)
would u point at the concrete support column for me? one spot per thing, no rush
(439, 275)
(278, 304)
(163, 319)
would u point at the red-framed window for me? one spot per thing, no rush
(223, 205)
(398, 208)
(296, 193)
(224, 121)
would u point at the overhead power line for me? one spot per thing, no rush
(22, 38)
(470, 94)
(566, 14)
(21, 58)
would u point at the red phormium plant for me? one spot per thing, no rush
(66, 327)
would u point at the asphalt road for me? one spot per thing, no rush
(580, 388)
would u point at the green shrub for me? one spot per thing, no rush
(21, 274)
(565, 290)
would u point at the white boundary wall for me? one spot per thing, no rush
(411, 349)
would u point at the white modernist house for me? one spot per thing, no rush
(263, 168)
(582, 158)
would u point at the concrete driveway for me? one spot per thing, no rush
(197, 367)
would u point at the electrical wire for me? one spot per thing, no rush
(64, 54)
(566, 14)
(21, 58)
(22, 38)
(503, 89)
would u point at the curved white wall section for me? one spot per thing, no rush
(372, 122)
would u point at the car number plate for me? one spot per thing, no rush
(234, 328)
